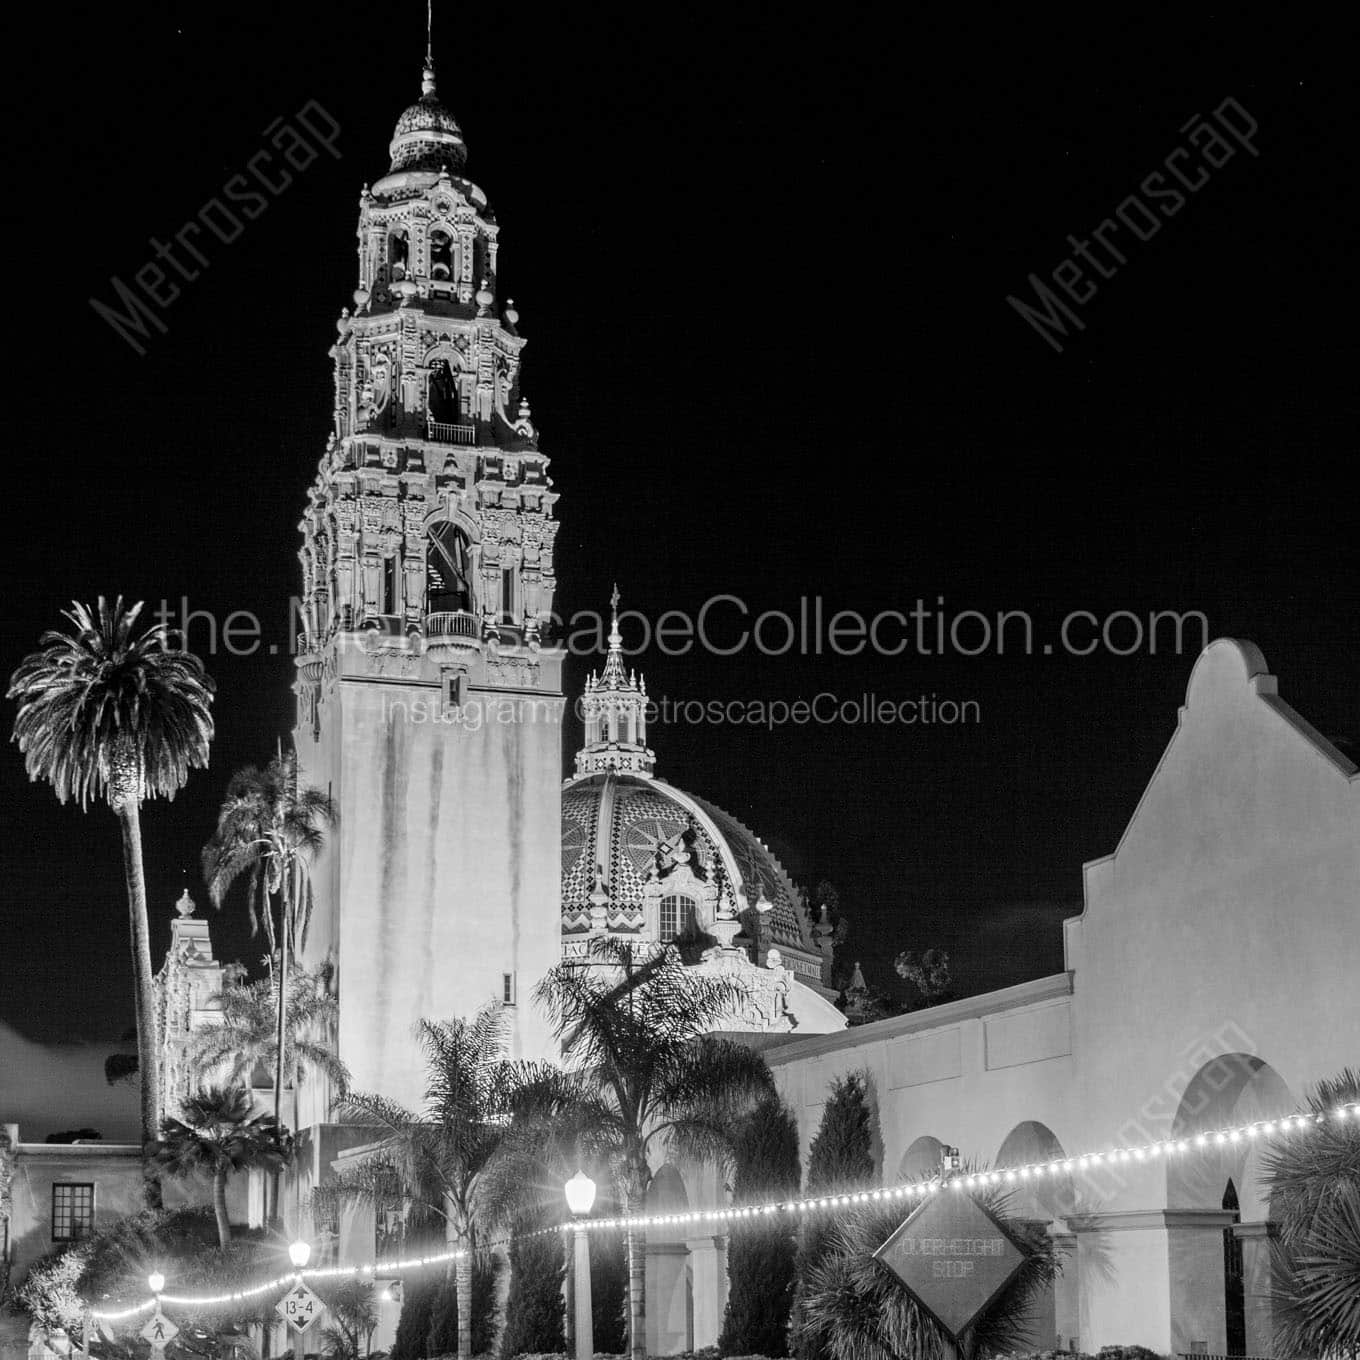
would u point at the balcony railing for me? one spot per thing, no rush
(451, 432)
(452, 625)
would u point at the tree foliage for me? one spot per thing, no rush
(413, 1326)
(761, 1255)
(102, 693)
(105, 710)
(1313, 1175)
(535, 1312)
(442, 1161)
(269, 827)
(928, 972)
(112, 1266)
(246, 1038)
(218, 1136)
(444, 1331)
(841, 1158)
(854, 1306)
(644, 1071)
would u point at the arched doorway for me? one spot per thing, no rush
(669, 1284)
(1047, 1202)
(1234, 1288)
(1213, 1190)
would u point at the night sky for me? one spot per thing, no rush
(762, 265)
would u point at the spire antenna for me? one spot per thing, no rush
(427, 75)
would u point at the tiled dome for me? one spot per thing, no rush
(427, 135)
(640, 814)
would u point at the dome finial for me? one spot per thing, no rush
(427, 75)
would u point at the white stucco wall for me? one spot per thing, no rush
(1212, 980)
(443, 874)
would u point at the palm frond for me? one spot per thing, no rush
(102, 701)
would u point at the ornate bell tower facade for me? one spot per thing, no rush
(429, 696)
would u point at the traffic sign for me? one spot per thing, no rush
(953, 1257)
(159, 1331)
(300, 1307)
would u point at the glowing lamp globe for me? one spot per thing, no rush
(157, 1282)
(580, 1194)
(299, 1253)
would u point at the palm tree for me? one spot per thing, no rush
(645, 1072)
(268, 830)
(442, 1161)
(1313, 1176)
(855, 1308)
(106, 711)
(246, 1036)
(350, 1336)
(218, 1136)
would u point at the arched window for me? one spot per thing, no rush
(676, 917)
(448, 570)
(398, 249)
(442, 394)
(441, 255)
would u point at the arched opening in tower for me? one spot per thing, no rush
(448, 574)
(443, 394)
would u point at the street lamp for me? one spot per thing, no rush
(157, 1282)
(580, 1198)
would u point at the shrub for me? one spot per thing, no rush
(443, 1338)
(535, 1310)
(413, 1326)
(841, 1158)
(761, 1254)
(113, 1265)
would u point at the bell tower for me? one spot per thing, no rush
(429, 695)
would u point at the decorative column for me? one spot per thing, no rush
(669, 1324)
(708, 1288)
(1258, 1279)
(1066, 1290)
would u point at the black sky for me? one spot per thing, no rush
(761, 262)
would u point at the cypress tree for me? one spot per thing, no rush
(535, 1309)
(761, 1254)
(443, 1337)
(413, 1326)
(841, 1158)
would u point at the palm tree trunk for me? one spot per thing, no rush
(637, 1281)
(279, 1039)
(220, 1208)
(148, 1039)
(462, 1274)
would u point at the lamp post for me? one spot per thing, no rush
(580, 1198)
(299, 1253)
(157, 1283)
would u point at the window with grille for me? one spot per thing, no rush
(72, 1212)
(676, 917)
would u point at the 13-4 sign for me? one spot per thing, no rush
(299, 1307)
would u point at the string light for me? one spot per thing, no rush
(279, 1282)
(1166, 1147)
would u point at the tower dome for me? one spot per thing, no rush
(643, 860)
(427, 135)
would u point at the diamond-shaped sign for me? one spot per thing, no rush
(954, 1258)
(299, 1307)
(159, 1331)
